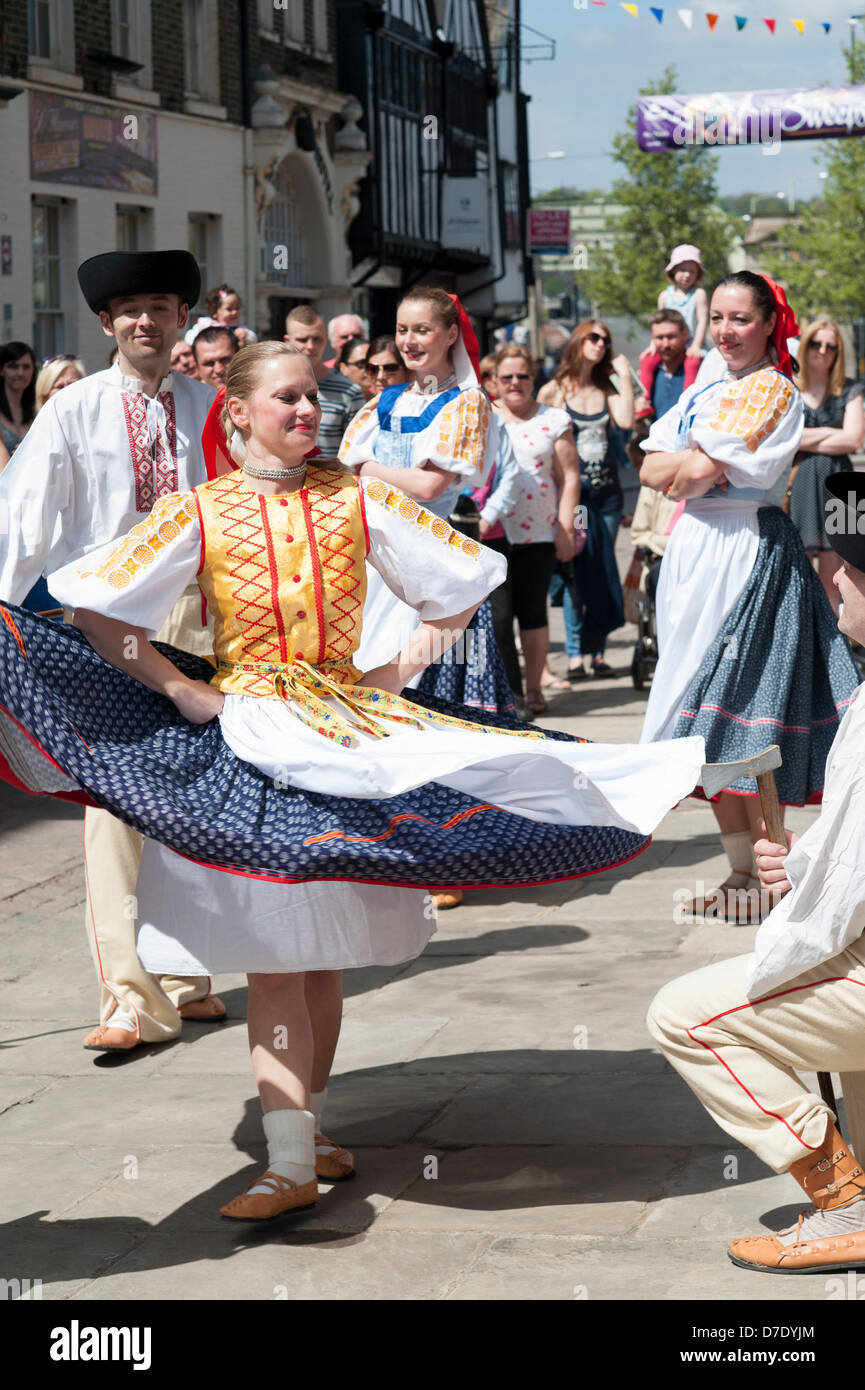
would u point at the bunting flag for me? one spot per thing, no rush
(687, 17)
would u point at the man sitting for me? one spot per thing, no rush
(741, 1031)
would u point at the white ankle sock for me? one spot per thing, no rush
(818, 1224)
(121, 1019)
(290, 1145)
(739, 849)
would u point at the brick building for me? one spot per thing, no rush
(136, 124)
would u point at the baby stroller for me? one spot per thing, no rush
(642, 603)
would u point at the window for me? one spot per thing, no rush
(284, 250)
(131, 38)
(293, 28)
(319, 26)
(201, 44)
(51, 37)
(204, 245)
(48, 323)
(133, 228)
(39, 29)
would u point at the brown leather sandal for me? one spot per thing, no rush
(337, 1166)
(204, 1010)
(105, 1039)
(283, 1199)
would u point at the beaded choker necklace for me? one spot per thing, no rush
(275, 474)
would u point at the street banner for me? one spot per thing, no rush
(669, 122)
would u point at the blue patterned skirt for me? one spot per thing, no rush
(472, 672)
(779, 671)
(132, 752)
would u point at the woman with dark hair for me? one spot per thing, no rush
(384, 364)
(17, 392)
(749, 650)
(583, 386)
(351, 361)
(834, 428)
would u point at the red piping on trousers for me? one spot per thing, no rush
(764, 999)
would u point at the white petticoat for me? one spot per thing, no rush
(212, 923)
(706, 566)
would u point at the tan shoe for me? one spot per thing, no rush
(766, 1253)
(833, 1180)
(209, 1008)
(284, 1197)
(739, 899)
(103, 1039)
(452, 898)
(336, 1166)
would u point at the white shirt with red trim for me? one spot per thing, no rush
(93, 463)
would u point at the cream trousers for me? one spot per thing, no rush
(112, 852)
(742, 1058)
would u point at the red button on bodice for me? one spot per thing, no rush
(297, 579)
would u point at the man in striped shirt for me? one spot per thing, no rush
(340, 397)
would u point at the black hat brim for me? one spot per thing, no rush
(844, 510)
(118, 274)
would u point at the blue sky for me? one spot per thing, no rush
(603, 56)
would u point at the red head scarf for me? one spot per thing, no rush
(467, 333)
(786, 326)
(214, 445)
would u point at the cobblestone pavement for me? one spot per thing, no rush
(517, 1137)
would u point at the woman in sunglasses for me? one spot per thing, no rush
(583, 386)
(384, 364)
(541, 526)
(834, 428)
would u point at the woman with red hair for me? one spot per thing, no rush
(583, 386)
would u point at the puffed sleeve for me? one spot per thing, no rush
(463, 437)
(36, 496)
(140, 577)
(433, 568)
(753, 425)
(360, 436)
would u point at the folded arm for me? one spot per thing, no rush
(685, 473)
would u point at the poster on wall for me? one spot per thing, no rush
(92, 145)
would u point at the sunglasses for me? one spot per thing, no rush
(598, 338)
(516, 376)
(389, 368)
(61, 357)
(819, 345)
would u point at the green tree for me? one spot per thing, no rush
(667, 197)
(824, 270)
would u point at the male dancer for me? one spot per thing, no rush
(741, 1031)
(94, 461)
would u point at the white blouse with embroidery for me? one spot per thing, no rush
(94, 461)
